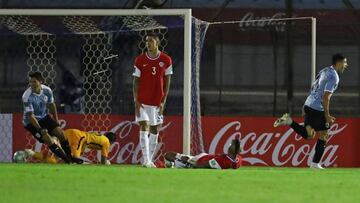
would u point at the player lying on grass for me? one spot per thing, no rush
(231, 160)
(80, 140)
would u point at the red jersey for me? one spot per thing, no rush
(151, 73)
(221, 161)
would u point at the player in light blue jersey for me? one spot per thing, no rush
(40, 116)
(317, 117)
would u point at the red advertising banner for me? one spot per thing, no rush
(263, 145)
(126, 149)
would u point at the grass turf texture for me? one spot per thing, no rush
(119, 183)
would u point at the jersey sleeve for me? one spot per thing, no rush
(214, 163)
(50, 95)
(169, 70)
(28, 107)
(331, 84)
(137, 66)
(105, 147)
(82, 149)
(76, 151)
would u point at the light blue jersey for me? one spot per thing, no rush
(36, 103)
(326, 81)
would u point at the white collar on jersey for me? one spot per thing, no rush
(156, 57)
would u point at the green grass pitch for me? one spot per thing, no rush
(119, 183)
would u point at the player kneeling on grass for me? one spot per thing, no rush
(80, 140)
(231, 160)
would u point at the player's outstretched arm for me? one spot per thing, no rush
(167, 82)
(33, 120)
(135, 94)
(53, 111)
(43, 132)
(326, 104)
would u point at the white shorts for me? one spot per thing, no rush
(150, 114)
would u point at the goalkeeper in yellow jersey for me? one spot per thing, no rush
(80, 140)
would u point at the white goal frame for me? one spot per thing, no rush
(186, 13)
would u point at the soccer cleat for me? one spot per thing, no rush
(283, 120)
(77, 160)
(316, 166)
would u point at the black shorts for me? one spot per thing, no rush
(316, 119)
(46, 123)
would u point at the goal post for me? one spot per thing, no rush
(26, 28)
(313, 49)
(187, 83)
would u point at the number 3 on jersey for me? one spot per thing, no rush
(153, 72)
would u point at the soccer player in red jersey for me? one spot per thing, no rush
(231, 160)
(152, 75)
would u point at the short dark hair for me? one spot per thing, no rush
(37, 75)
(110, 136)
(336, 58)
(153, 34)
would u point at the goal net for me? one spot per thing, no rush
(261, 67)
(86, 57)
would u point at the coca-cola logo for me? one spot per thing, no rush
(126, 147)
(281, 146)
(249, 20)
(261, 147)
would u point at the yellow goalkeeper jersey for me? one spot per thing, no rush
(80, 140)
